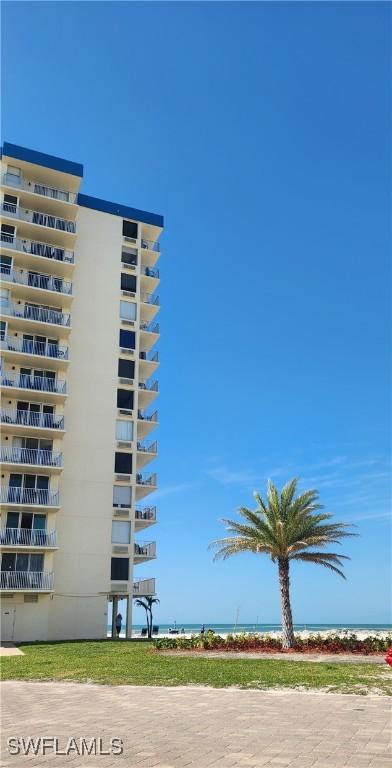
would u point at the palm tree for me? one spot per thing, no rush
(286, 527)
(147, 603)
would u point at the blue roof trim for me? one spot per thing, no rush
(40, 158)
(120, 210)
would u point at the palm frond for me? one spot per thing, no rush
(233, 545)
(326, 559)
(284, 526)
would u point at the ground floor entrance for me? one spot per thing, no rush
(8, 616)
(119, 616)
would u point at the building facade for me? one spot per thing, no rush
(78, 390)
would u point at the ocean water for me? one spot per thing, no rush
(225, 628)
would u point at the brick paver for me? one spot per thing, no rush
(199, 727)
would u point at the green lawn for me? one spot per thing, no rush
(117, 663)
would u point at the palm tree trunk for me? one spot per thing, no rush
(149, 624)
(287, 619)
(147, 621)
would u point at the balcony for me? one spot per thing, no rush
(148, 364)
(146, 423)
(27, 537)
(31, 421)
(12, 495)
(31, 457)
(17, 349)
(149, 279)
(149, 357)
(36, 316)
(150, 245)
(35, 286)
(145, 484)
(144, 550)
(149, 327)
(37, 188)
(151, 448)
(31, 252)
(143, 587)
(26, 581)
(38, 218)
(149, 306)
(149, 335)
(150, 272)
(147, 393)
(145, 517)
(48, 389)
(145, 453)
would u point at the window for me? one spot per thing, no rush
(22, 562)
(119, 569)
(6, 264)
(124, 430)
(7, 229)
(14, 174)
(121, 532)
(130, 229)
(129, 256)
(4, 298)
(126, 369)
(127, 310)
(122, 496)
(125, 399)
(3, 330)
(127, 339)
(128, 282)
(10, 203)
(123, 463)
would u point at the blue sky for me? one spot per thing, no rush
(262, 133)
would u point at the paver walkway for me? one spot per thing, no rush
(199, 727)
(9, 649)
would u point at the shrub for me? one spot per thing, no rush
(347, 643)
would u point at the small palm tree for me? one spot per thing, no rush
(147, 603)
(286, 527)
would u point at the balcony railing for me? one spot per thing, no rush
(38, 249)
(31, 418)
(150, 327)
(150, 480)
(151, 357)
(39, 189)
(147, 416)
(148, 513)
(23, 580)
(40, 314)
(28, 347)
(145, 549)
(26, 537)
(16, 455)
(149, 298)
(152, 387)
(143, 587)
(150, 245)
(37, 217)
(12, 494)
(44, 282)
(151, 448)
(38, 383)
(150, 272)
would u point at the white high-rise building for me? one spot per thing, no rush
(78, 331)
